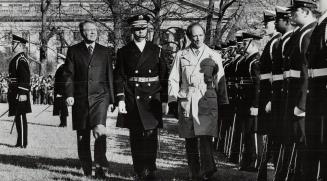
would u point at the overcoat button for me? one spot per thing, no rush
(150, 71)
(136, 71)
(150, 97)
(136, 84)
(149, 84)
(137, 97)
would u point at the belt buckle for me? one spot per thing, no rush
(310, 72)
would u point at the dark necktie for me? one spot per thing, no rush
(90, 48)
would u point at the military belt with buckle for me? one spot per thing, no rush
(292, 74)
(144, 79)
(277, 77)
(317, 72)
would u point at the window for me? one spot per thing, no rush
(26, 35)
(77, 36)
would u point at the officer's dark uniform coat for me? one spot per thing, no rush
(143, 99)
(19, 84)
(84, 81)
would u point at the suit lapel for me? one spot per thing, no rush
(145, 54)
(84, 53)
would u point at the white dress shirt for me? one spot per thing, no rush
(140, 44)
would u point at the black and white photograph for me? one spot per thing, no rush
(163, 90)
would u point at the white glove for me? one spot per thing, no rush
(122, 107)
(22, 98)
(268, 107)
(70, 101)
(254, 111)
(165, 108)
(298, 112)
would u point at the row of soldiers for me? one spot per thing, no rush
(42, 89)
(278, 99)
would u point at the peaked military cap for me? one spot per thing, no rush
(282, 13)
(232, 43)
(250, 36)
(268, 16)
(311, 4)
(18, 39)
(138, 21)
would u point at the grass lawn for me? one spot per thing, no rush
(51, 153)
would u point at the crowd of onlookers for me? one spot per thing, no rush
(41, 89)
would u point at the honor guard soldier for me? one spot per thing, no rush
(247, 71)
(265, 124)
(19, 89)
(141, 88)
(285, 26)
(296, 82)
(59, 106)
(316, 114)
(234, 133)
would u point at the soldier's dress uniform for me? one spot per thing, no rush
(19, 84)
(316, 114)
(248, 75)
(141, 81)
(296, 82)
(59, 105)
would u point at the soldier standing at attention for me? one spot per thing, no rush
(188, 86)
(316, 114)
(141, 89)
(59, 105)
(296, 82)
(19, 89)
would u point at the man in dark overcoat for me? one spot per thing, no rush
(59, 106)
(19, 89)
(89, 90)
(141, 89)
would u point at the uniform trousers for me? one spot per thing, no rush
(144, 145)
(21, 127)
(199, 152)
(84, 151)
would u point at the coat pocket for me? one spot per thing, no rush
(208, 104)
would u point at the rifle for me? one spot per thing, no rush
(232, 136)
(279, 161)
(42, 111)
(4, 113)
(292, 165)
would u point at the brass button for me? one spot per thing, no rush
(137, 97)
(136, 84)
(136, 71)
(149, 70)
(150, 97)
(149, 84)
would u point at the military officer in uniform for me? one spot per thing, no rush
(296, 82)
(89, 90)
(247, 71)
(315, 123)
(265, 124)
(19, 89)
(197, 122)
(59, 106)
(141, 89)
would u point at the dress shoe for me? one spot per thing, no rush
(100, 173)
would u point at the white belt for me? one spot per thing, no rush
(144, 79)
(277, 77)
(265, 76)
(317, 72)
(292, 73)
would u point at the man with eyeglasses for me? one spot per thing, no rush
(88, 79)
(141, 91)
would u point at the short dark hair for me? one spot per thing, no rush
(81, 25)
(189, 29)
